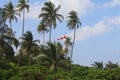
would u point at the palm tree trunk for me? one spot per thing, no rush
(73, 42)
(22, 34)
(43, 38)
(23, 23)
(4, 22)
(50, 33)
(10, 34)
(19, 59)
(72, 47)
(30, 77)
(10, 28)
(1, 33)
(29, 60)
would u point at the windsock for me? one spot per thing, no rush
(62, 37)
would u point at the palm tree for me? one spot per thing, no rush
(6, 49)
(22, 5)
(10, 13)
(68, 47)
(53, 55)
(68, 42)
(98, 65)
(2, 21)
(42, 29)
(73, 23)
(111, 65)
(50, 16)
(28, 45)
(5, 46)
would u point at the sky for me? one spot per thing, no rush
(98, 38)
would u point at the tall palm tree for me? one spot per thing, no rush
(73, 23)
(10, 13)
(28, 45)
(2, 22)
(98, 65)
(22, 6)
(53, 55)
(49, 14)
(42, 29)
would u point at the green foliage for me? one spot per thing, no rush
(10, 71)
(4, 64)
(32, 72)
(53, 55)
(49, 15)
(49, 61)
(73, 23)
(111, 65)
(7, 69)
(98, 65)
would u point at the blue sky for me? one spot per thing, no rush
(98, 39)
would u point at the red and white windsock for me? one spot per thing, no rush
(62, 37)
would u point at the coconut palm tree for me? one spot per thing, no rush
(6, 49)
(73, 23)
(42, 29)
(53, 55)
(68, 44)
(28, 45)
(22, 6)
(49, 14)
(2, 21)
(5, 46)
(10, 14)
(68, 41)
(68, 47)
(98, 65)
(111, 65)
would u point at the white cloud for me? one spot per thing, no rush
(114, 20)
(103, 26)
(112, 3)
(81, 6)
(90, 31)
(34, 12)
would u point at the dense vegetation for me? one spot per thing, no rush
(9, 70)
(50, 60)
